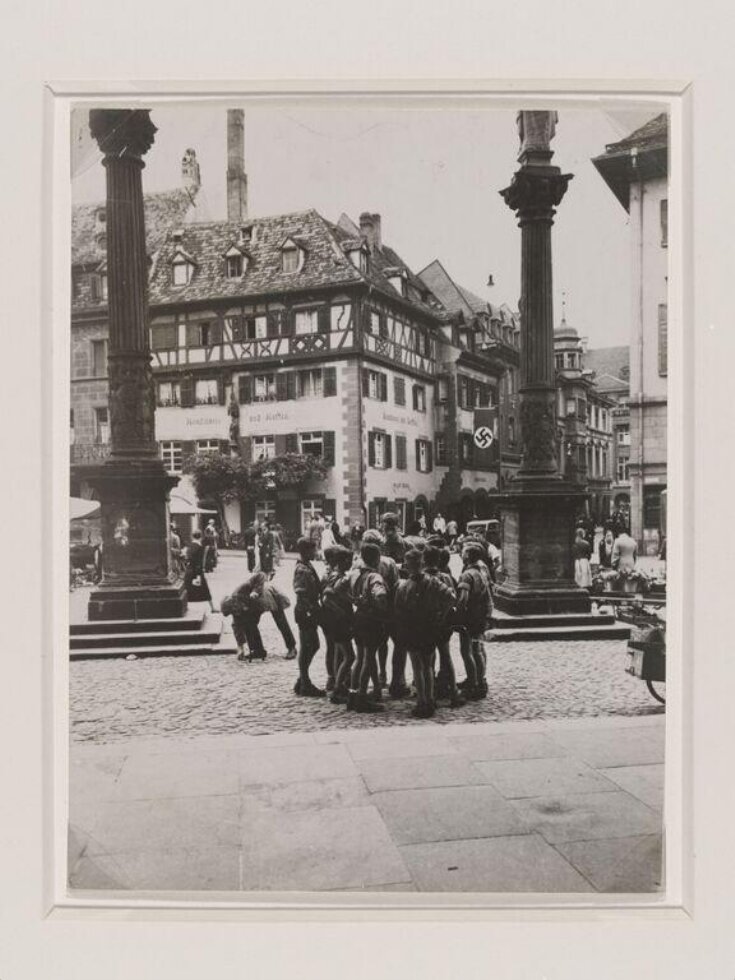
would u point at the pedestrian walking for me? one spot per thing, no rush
(250, 538)
(423, 603)
(440, 525)
(266, 549)
(605, 550)
(278, 546)
(581, 552)
(210, 546)
(625, 552)
(338, 619)
(307, 588)
(474, 608)
(195, 582)
(370, 597)
(316, 531)
(452, 533)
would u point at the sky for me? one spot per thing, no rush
(433, 175)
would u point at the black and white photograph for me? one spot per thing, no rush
(367, 536)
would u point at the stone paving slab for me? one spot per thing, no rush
(213, 868)
(396, 746)
(144, 777)
(316, 794)
(518, 778)
(516, 745)
(624, 864)
(337, 848)
(495, 864)
(628, 748)
(448, 813)
(416, 773)
(291, 764)
(588, 816)
(646, 783)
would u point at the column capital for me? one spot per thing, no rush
(122, 132)
(534, 192)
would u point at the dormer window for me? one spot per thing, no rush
(359, 258)
(182, 268)
(234, 266)
(292, 256)
(398, 282)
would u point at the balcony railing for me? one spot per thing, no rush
(86, 454)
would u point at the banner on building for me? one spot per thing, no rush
(485, 437)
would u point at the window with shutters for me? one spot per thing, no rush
(419, 398)
(441, 450)
(264, 447)
(401, 454)
(377, 384)
(311, 384)
(172, 456)
(663, 340)
(399, 391)
(311, 443)
(255, 327)
(207, 447)
(99, 358)
(264, 388)
(423, 455)
(379, 450)
(306, 322)
(169, 393)
(164, 336)
(101, 426)
(206, 392)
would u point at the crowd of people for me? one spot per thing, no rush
(381, 590)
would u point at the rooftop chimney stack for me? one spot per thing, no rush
(190, 176)
(371, 230)
(237, 181)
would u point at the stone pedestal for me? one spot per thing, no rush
(138, 581)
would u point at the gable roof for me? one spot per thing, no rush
(163, 211)
(451, 296)
(653, 133)
(611, 367)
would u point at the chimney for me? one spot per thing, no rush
(190, 176)
(237, 181)
(370, 230)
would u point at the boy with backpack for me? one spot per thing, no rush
(389, 570)
(338, 618)
(436, 563)
(370, 597)
(474, 608)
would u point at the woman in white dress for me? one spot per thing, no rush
(581, 551)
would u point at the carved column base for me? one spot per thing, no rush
(538, 532)
(138, 581)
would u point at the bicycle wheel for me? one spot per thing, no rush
(657, 690)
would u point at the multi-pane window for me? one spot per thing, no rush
(290, 259)
(169, 393)
(441, 450)
(256, 328)
(374, 384)
(379, 450)
(99, 358)
(206, 392)
(419, 398)
(306, 322)
(309, 510)
(172, 456)
(207, 447)
(312, 443)
(399, 391)
(264, 387)
(311, 384)
(265, 510)
(101, 425)
(624, 435)
(234, 266)
(623, 473)
(264, 447)
(423, 456)
(571, 406)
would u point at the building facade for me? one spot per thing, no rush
(636, 171)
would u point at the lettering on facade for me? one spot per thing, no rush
(399, 419)
(209, 421)
(268, 417)
(397, 487)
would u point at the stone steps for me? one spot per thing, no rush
(196, 634)
(505, 621)
(595, 631)
(138, 638)
(190, 650)
(192, 622)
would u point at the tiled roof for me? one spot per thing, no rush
(654, 133)
(163, 211)
(452, 297)
(611, 366)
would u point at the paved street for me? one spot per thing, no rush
(194, 696)
(560, 806)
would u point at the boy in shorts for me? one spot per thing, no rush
(307, 587)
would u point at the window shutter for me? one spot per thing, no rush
(330, 381)
(215, 332)
(280, 442)
(192, 335)
(287, 323)
(429, 457)
(292, 443)
(323, 323)
(371, 449)
(272, 324)
(291, 385)
(388, 452)
(365, 383)
(237, 328)
(281, 386)
(221, 389)
(244, 389)
(418, 455)
(399, 391)
(415, 395)
(400, 452)
(328, 454)
(384, 387)
(187, 391)
(663, 340)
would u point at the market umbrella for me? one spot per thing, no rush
(180, 505)
(79, 508)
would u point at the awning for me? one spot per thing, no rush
(79, 508)
(181, 505)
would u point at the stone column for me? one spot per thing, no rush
(138, 579)
(538, 512)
